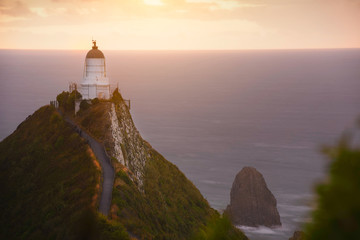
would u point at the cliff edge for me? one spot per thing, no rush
(51, 181)
(152, 198)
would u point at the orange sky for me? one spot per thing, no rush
(179, 24)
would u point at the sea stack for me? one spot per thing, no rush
(251, 202)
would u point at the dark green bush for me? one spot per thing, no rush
(116, 96)
(84, 105)
(338, 205)
(95, 101)
(67, 100)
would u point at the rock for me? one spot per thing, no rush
(298, 235)
(251, 202)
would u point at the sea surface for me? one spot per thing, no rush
(214, 112)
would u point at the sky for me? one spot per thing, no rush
(179, 24)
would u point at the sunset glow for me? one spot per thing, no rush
(180, 24)
(153, 2)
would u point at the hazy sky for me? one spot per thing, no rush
(179, 24)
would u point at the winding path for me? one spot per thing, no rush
(107, 168)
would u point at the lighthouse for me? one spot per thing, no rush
(95, 83)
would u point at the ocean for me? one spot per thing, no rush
(213, 112)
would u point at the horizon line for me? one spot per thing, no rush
(179, 50)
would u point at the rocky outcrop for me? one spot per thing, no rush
(298, 235)
(251, 202)
(128, 147)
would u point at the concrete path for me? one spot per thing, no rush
(107, 169)
(107, 172)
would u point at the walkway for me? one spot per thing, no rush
(107, 168)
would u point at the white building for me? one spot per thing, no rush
(95, 84)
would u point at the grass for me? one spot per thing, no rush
(168, 206)
(48, 181)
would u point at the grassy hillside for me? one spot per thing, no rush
(169, 208)
(167, 205)
(50, 183)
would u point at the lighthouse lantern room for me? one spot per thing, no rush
(95, 83)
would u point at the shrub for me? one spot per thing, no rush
(84, 105)
(95, 101)
(67, 100)
(116, 96)
(62, 99)
(338, 205)
(219, 228)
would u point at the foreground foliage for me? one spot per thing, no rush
(338, 212)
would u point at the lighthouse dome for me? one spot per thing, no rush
(95, 83)
(95, 52)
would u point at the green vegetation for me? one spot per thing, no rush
(116, 96)
(338, 206)
(48, 181)
(95, 101)
(168, 205)
(67, 100)
(50, 185)
(93, 226)
(84, 105)
(169, 208)
(219, 228)
(95, 119)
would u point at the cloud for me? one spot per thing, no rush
(128, 9)
(11, 8)
(187, 23)
(41, 12)
(13, 11)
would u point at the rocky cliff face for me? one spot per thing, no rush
(126, 143)
(111, 123)
(251, 202)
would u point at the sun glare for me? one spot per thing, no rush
(153, 2)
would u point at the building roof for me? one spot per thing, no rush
(95, 52)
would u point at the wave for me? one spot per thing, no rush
(258, 230)
(265, 145)
(212, 182)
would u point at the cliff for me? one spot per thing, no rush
(251, 202)
(50, 183)
(151, 198)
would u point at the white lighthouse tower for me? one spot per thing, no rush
(95, 84)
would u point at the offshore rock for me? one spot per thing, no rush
(251, 202)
